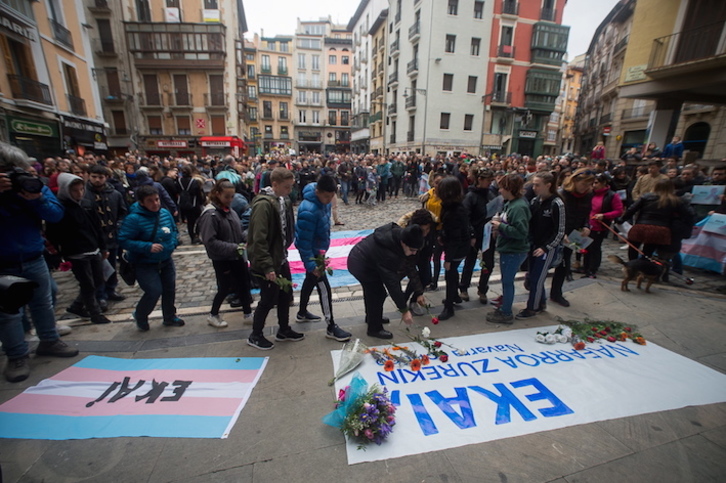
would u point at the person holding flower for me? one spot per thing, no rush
(271, 233)
(221, 233)
(312, 239)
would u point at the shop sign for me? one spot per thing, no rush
(215, 144)
(527, 134)
(33, 128)
(171, 144)
(12, 25)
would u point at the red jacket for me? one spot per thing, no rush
(615, 208)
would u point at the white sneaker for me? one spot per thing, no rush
(415, 308)
(63, 329)
(247, 320)
(624, 247)
(216, 321)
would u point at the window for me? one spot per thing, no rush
(105, 34)
(275, 85)
(183, 126)
(252, 113)
(332, 77)
(448, 82)
(266, 109)
(301, 61)
(210, 4)
(155, 125)
(281, 66)
(268, 132)
(500, 87)
(344, 81)
(151, 90)
(265, 64)
(468, 122)
(332, 59)
(302, 96)
(316, 117)
(284, 46)
(252, 92)
(119, 122)
(333, 118)
(270, 45)
(478, 9)
(284, 133)
(316, 62)
(453, 7)
(450, 43)
(445, 118)
(345, 60)
(313, 44)
(284, 114)
(250, 57)
(507, 35)
(250, 71)
(143, 12)
(316, 97)
(471, 85)
(475, 43)
(344, 118)
(302, 116)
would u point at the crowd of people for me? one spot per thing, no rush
(106, 215)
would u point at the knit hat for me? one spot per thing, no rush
(413, 237)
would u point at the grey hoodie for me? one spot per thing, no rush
(64, 186)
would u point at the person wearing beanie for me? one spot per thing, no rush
(379, 262)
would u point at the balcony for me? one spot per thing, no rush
(61, 34)
(409, 136)
(548, 14)
(180, 100)
(378, 92)
(412, 67)
(621, 45)
(364, 58)
(414, 32)
(104, 48)
(688, 52)
(113, 96)
(284, 135)
(411, 102)
(335, 83)
(637, 113)
(267, 116)
(393, 139)
(76, 105)
(181, 46)
(393, 78)
(266, 69)
(100, 6)
(375, 117)
(510, 8)
(392, 109)
(215, 101)
(505, 52)
(397, 18)
(502, 97)
(32, 90)
(381, 68)
(268, 135)
(282, 71)
(394, 50)
(606, 118)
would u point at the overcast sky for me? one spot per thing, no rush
(280, 17)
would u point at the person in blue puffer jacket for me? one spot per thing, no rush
(312, 238)
(149, 250)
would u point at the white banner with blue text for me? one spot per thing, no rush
(505, 384)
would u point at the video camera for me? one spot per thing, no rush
(15, 292)
(24, 181)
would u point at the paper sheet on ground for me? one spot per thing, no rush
(509, 385)
(105, 397)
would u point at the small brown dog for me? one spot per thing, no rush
(639, 269)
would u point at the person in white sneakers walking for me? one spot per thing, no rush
(221, 233)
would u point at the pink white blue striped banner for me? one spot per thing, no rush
(105, 397)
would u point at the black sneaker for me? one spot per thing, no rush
(560, 300)
(526, 314)
(116, 297)
(175, 322)
(78, 312)
(336, 333)
(100, 319)
(103, 304)
(499, 317)
(259, 342)
(381, 334)
(56, 348)
(17, 370)
(307, 317)
(287, 334)
(385, 320)
(142, 325)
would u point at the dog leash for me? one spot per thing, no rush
(687, 280)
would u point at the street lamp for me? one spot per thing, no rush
(414, 91)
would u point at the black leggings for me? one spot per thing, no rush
(232, 277)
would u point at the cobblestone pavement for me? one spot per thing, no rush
(196, 284)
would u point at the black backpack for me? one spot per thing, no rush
(186, 200)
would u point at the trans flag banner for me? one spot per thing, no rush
(106, 397)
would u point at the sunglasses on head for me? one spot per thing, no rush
(588, 172)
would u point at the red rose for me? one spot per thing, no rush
(628, 329)
(590, 339)
(608, 329)
(611, 339)
(437, 344)
(444, 358)
(603, 332)
(594, 329)
(434, 320)
(583, 251)
(579, 346)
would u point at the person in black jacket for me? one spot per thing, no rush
(191, 201)
(546, 231)
(455, 237)
(79, 239)
(576, 194)
(110, 207)
(475, 202)
(379, 262)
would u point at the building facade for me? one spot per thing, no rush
(338, 92)
(187, 75)
(527, 48)
(569, 100)
(274, 92)
(375, 123)
(50, 103)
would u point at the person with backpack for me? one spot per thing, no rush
(221, 233)
(606, 207)
(191, 201)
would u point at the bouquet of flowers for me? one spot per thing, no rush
(596, 331)
(322, 263)
(363, 414)
(282, 282)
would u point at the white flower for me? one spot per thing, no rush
(166, 230)
(426, 332)
(562, 339)
(540, 338)
(550, 339)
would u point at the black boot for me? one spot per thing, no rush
(447, 313)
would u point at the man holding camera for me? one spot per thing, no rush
(25, 203)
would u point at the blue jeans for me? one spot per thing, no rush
(12, 335)
(156, 280)
(509, 264)
(344, 188)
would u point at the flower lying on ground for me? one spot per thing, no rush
(596, 330)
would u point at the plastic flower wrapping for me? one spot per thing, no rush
(350, 357)
(363, 414)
